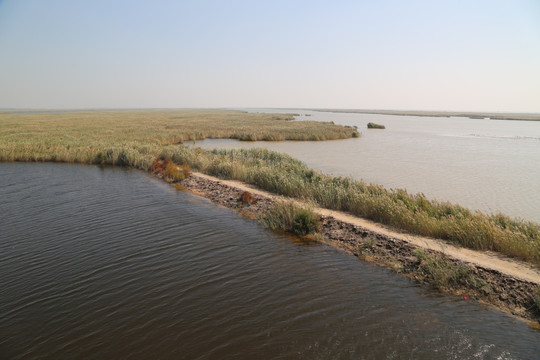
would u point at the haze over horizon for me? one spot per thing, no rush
(416, 55)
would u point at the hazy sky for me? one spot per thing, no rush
(433, 55)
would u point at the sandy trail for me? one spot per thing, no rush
(484, 259)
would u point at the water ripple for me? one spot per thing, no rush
(132, 268)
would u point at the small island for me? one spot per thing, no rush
(372, 125)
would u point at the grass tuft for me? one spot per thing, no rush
(291, 217)
(306, 222)
(174, 172)
(372, 125)
(186, 169)
(444, 274)
(536, 298)
(169, 170)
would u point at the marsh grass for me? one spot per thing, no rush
(414, 213)
(291, 217)
(42, 133)
(366, 246)
(137, 138)
(134, 138)
(444, 274)
(372, 125)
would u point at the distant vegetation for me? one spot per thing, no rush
(138, 138)
(134, 138)
(372, 125)
(78, 136)
(472, 115)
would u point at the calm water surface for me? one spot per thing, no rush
(114, 264)
(490, 165)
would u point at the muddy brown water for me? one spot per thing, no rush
(104, 263)
(489, 165)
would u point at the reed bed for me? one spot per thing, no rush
(137, 138)
(160, 127)
(372, 125)
(133, 138)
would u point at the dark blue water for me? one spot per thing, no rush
(114, 264)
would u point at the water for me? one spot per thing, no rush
(115, 264)
(488, 165)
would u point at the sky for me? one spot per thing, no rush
(462, 55)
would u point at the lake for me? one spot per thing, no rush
(487, 165)
(110, 263)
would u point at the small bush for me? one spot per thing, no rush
(306, 222)
(247, 198)
(290, 217)
(174, 173)
(420, 254)
(372, 125)
(158, 165)
(444, 274)
(170, 170)
(537, 298)
(366, 246)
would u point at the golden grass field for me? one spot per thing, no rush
(81, 136)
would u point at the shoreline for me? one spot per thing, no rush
(507, 284)
(467, 114)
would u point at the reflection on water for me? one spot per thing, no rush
(490, 165)
(111, 263)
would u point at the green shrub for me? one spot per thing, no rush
(444, 274)
(306, 222)
(372, 125)
(291, 217)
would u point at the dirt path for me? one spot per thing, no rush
(483, 259)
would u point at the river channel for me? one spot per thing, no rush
(109, 263)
